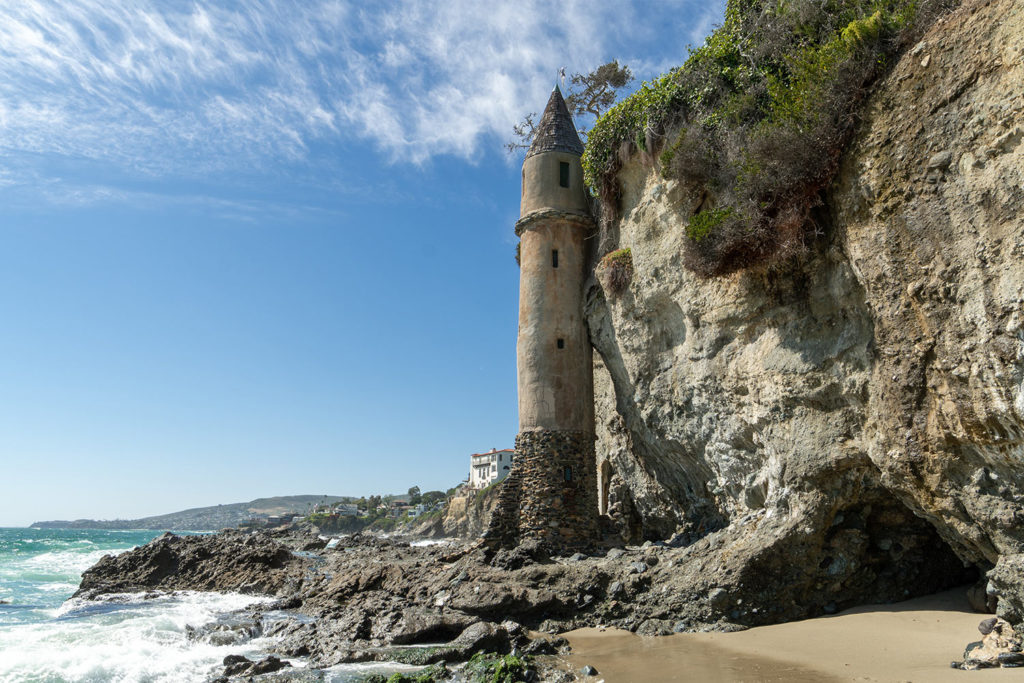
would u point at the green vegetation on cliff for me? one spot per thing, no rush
(753, 124)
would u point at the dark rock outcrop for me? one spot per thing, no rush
(227, 561)
(237, 665)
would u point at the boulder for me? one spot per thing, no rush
(1000, 646)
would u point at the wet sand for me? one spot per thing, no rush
(909, 641)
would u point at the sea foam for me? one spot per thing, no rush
(123, 637)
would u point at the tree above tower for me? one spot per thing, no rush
(590, 94)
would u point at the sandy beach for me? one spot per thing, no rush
(909, 641)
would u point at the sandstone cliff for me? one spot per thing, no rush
(849, 426)
(465, 516)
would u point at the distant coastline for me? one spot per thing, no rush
(96, 524)
(210, 518)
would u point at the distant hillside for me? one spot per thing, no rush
(202, 519)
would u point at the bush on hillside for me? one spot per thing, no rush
(383, 524)
(757, 118)
(616, 271)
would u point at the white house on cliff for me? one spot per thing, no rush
(487, 468)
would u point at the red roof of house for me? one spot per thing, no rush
(501, 450)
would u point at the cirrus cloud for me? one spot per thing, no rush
(166, 87)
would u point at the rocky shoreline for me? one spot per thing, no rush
(367, 598)
(364, 599)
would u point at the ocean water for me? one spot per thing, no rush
(46, 636)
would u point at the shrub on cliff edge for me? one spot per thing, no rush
(616, 271)
(757, 119)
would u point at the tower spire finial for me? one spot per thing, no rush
(555, 130)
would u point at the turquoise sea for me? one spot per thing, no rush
(41, 568)
(46, 636)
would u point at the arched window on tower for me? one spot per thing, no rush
(567, 473)
(563, 173)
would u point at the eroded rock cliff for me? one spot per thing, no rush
(930, 210)
(465, 516)
(848, 426)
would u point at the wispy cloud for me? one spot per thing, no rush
(156, 87)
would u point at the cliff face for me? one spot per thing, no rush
(849, 423)
(464, 517)
(930, 206)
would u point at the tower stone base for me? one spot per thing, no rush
(550, 494)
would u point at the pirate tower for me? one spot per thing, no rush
(553, 494)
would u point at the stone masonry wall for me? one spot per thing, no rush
(503, 526)
(558, 510)
(537, 499)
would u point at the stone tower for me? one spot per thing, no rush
(553, 492)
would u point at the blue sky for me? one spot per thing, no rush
(266, 248)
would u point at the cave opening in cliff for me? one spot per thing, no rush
(879, 551)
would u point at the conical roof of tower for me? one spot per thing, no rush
(556, 132)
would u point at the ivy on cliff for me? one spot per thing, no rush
(754, 122)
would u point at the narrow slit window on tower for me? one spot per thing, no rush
(561, 343)
(563, 173)
(568, 473)
(554, 258)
